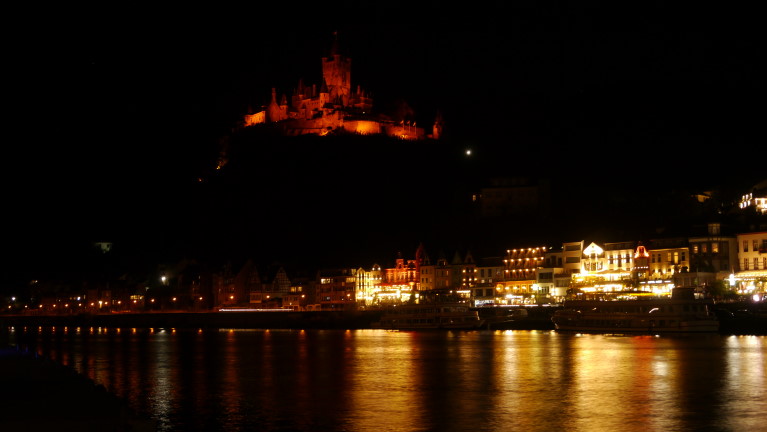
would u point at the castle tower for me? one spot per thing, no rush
(336, 71)
(275, 112)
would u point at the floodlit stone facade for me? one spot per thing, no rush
(334, 107)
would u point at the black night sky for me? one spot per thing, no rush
(119, 109)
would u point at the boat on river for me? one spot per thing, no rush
(458, 316)
(681, 313)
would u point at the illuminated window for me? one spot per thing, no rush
(704, 248)
(715, 247)
(695, 249)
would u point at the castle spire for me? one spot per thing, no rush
(334, 49)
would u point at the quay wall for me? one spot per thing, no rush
(246, 320)
(734, 318)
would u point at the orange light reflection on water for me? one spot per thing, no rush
(745, 372)
(385, 383)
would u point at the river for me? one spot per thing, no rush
(378, 380)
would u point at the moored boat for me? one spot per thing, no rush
(682, 313)
(456, 316)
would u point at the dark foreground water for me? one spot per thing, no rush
(378, 380)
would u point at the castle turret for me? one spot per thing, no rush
(437, 128)
(274, 112)
(324, 94)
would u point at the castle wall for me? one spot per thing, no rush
(297, 124)
(254, 119)
(321, 125)
(405, 132)
(362, 127)
(305, 108)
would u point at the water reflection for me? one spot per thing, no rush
(376, 380)
(384, 381)
(744, 373)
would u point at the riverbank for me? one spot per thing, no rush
(42, 395)
(351, 320)
(537, 319)
(736, 319)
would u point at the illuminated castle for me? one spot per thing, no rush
(335, 108)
